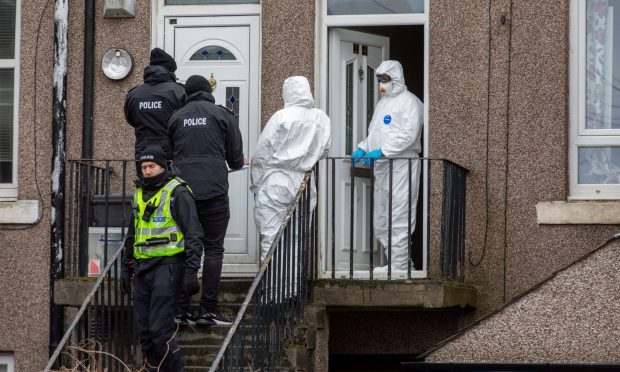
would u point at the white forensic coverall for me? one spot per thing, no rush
(395, 128)
(291, 143)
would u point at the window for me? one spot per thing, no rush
(341, 7)
(6, 360)
(192, 2)
(595, 99)
(9, 26)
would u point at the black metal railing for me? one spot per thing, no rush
(453, 216)
(98, 203)
(99, 207)
(101, 336)
(275, 301)
(374, 212)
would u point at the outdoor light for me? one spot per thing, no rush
(116, 64)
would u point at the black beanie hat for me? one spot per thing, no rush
(197, 83)
(161, 58)
(154, 154)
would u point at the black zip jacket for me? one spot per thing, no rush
(148, 107)
(183, 210)
(204, 137)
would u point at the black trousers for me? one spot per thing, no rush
(214, 215)
(156, 301)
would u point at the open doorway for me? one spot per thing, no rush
(354, 54)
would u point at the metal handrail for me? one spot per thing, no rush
(260, 274)
(85, 304)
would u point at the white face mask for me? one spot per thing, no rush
(386, 88)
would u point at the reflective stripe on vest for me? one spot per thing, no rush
(161, 225)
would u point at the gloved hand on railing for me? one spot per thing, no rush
(190, 281)
(357, 155)
(126, 282)
(372, 155)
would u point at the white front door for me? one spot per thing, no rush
(354, 57)
(225, 50)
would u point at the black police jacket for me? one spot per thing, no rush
(183, 210)
(148, 107)
(204, 137)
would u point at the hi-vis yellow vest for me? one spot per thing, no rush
(160, 225)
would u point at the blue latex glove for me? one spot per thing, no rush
(357, 155)
(374, 154)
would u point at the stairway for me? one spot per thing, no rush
(199, 345)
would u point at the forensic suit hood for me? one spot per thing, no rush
(293, 140)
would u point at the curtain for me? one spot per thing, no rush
(599, 53)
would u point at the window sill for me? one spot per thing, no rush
(20, 212)
(578, 213)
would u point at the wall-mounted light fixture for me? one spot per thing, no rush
(119, 8)
(116, 64)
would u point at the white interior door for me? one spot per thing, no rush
(353, 59)
(225, 50)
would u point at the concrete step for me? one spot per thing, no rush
(200, 344)
(198, 355)
(232, 290)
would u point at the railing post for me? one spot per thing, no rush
(389, 268)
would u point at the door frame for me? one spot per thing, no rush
(159, 13)
(323, 23)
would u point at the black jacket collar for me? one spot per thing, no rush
(158, 74)
(201, 96)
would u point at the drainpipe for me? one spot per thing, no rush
(87, 131)
(59, 120)
(89, 79)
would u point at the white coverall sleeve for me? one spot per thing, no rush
(363, 144)
(263, 152)
(327, 137)
(405, 131)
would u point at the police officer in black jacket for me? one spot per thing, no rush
(204, 138)
(161, 261)
(149, 106)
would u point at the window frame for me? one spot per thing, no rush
(8, 359)
(579, 135)
(9, 191)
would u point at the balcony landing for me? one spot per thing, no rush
(423, 294)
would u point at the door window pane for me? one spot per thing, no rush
(370, 95)
(190, 2)
(6, 125)
(348, 7)
(603, 64)
(349, 108)
(7, 29)
(599, 165)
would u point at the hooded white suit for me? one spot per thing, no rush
(395, 128)
(291, 143)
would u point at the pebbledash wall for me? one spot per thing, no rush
(515, 145)
(24, 248)
(572, 318)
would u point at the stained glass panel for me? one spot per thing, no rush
(213, 53)
(232, 99)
